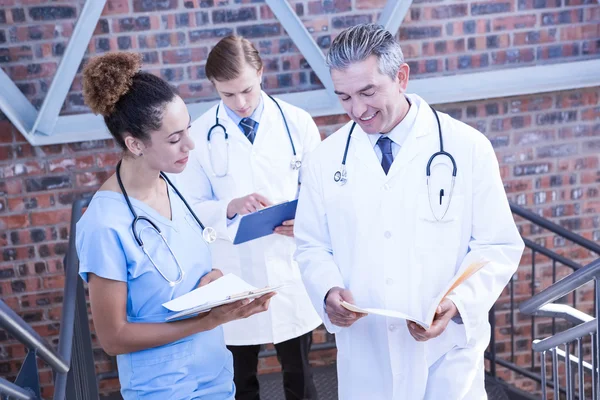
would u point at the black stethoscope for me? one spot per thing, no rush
(341, 176)
(295, 164)
(208, 234)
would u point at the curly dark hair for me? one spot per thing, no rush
(131, 101)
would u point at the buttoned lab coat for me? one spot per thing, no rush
(262, 167)
(377, 237)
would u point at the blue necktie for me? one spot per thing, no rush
(385, 144)
(248, 125)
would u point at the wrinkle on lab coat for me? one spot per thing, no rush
(377, 237)
(262, 167)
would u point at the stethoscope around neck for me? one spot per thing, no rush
(295, 163)
(341, 176)
(208, 234)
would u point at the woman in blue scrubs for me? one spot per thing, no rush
(185, 359)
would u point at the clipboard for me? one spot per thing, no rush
(204, 299)
(262, 222)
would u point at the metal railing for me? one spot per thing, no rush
(579, 374)
(558, 316)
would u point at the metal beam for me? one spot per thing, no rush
(437, 90)
(508, 82)
(69, 64)
(393, 14)
(303, 40)
(15, 105)
(14, 392)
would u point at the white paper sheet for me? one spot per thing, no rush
(227, 285)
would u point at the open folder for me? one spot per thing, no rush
(262, 222)
(225, 290)
(427, 319)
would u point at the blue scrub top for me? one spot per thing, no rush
(199, 366)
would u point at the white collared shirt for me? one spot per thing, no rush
(397, 135)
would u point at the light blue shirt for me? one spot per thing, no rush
(198, 366)
(255, 115)
(397, 135)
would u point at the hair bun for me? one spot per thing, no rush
(108, 77)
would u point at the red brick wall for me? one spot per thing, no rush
(548, 144)
(175, 36)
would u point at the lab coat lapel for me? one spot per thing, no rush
(414, 145)
(268, 121)
(364, 151)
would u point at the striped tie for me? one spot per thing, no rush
(248, 125)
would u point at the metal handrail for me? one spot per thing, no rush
(20, 330)
(561, 288)
(13, 391)
(567, 336)
(563, 311)
(553, 227)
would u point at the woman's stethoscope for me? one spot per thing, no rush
(208, 234)
(341, 176)
(295, 164)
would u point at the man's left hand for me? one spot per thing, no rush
(211, 276)
(444, 313)
(286, 228)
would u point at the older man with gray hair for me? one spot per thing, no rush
(392, 207)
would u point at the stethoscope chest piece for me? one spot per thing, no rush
(341, 177)
(296, 163)
(209, 234)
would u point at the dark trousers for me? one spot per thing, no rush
(292, 355)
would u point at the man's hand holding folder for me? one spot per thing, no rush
(433, 321)
(443, 314)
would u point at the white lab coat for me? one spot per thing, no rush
(377, 237)
(262, 167)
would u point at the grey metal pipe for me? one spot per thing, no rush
(18, 328)
(65, 341)
(569, 374)
(567, 336)
(580, 370)
(561, 288)
(13, 391)
(543, 363)
(555, 376)
(565, 312)
(594, 366)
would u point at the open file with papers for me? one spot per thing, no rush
(424, 320)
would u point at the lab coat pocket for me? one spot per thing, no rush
(443, 233)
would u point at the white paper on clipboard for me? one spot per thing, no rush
(225, 290)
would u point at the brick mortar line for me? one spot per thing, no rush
(140, 50)
(351, 13)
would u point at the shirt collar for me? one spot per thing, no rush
(255, 115)
(401, 131)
